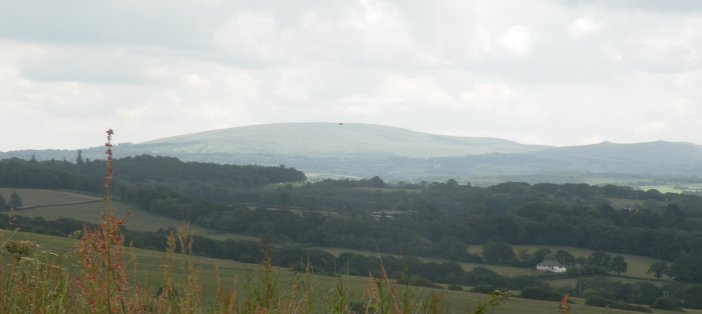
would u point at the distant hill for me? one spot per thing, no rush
(330, 140)
(364, 150)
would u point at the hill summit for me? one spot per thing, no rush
(332, 139)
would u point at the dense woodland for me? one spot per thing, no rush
(440, 219)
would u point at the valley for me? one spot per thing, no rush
(352, 226)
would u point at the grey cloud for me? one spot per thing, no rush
(642, 5)
(161, 68)
(103, 22)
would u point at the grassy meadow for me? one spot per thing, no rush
(39, 197)
(53, 204)
(245, 279)
(500, 269)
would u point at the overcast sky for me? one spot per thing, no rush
(537, 72)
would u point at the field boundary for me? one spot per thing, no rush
(57, 205)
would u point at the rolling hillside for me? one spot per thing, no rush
(366, 150)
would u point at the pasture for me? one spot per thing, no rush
(674, 188)
(244, 278)
(53, 204)
(500, 269)
(625, 203)
(39, 197)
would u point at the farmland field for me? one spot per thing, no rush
(621, 203)
(674, 188)
(52, 204)
(39, 197)
(244, 276)
(500, 269)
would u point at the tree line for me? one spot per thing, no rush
(439, 219)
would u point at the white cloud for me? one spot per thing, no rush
(488, 92)
(251, 34)
(612, 53)
(651, 128)
(516, 40)
(584, 25)
(422, 91)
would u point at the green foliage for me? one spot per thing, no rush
(664, 303)
(15, 201)
(431, 219)
(498, 252)
(618, 265)
(20, 248)
(658, 269)
(565, 258)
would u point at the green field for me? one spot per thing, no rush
(148, 270)
(500, 269)
(51, 205)
(38, 197)
(674, 188)
(621, 203)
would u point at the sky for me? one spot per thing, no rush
(536, 72)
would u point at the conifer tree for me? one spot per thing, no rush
(15, 200)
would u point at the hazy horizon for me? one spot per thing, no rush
(331, 124)
(546, 72)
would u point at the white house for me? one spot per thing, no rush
(552, 266)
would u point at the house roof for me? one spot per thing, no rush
(551, 263)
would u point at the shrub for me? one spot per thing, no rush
(483, 289)
(20, 248)
(664, 303)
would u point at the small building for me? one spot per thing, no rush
(552, 266)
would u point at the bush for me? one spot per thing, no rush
(483, 289)
(664, 303)
(21, 248)
(455, 287)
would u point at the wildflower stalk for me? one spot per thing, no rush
(103, 281)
